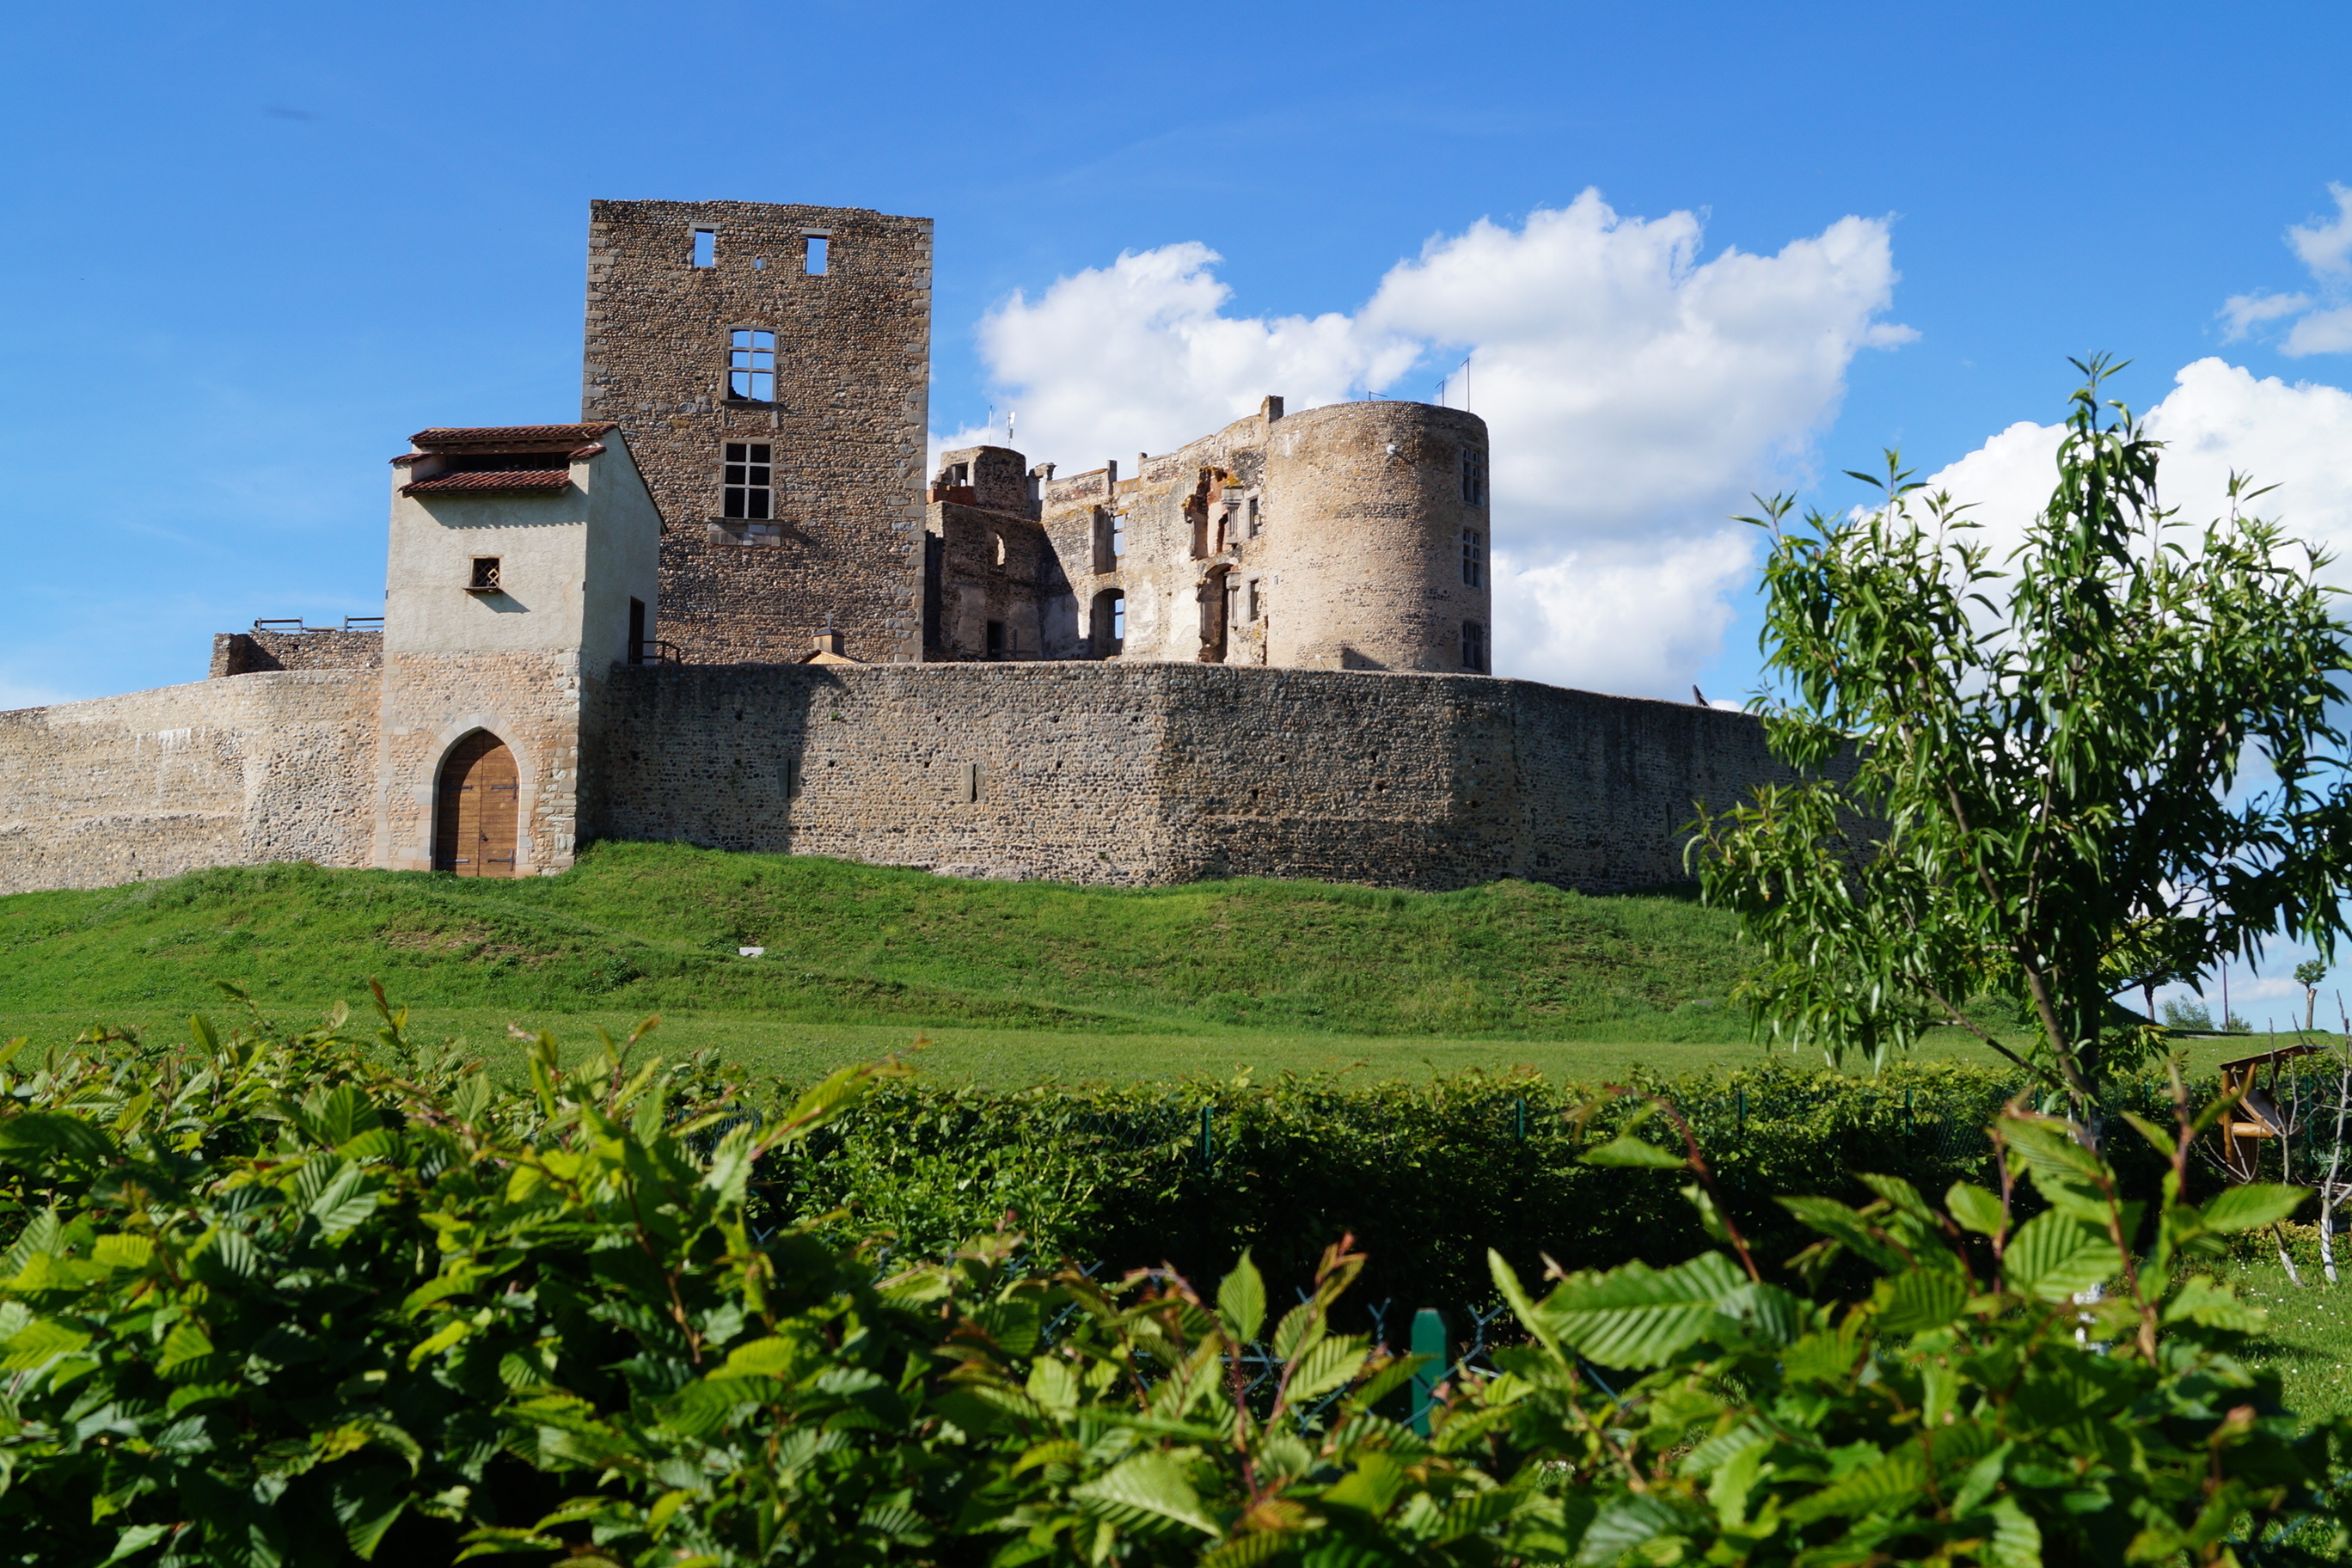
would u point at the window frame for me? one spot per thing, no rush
(1473, 477)
(1474, 653)
(736, 496)
(745, 352)
(1474, 558)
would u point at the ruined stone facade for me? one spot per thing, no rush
(726, 609)
(711, 327)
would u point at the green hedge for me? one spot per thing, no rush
(277, 1302)
(1426, 1177)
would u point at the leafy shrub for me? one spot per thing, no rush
(1428, 1176)
(275, 1299)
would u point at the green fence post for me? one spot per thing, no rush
(1521, 1135)
(1740, 1095)
(1429, 1339)
(1208, 1136)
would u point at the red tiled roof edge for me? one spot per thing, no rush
(509, 480)
(513, 434)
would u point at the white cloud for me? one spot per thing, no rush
(2217, 417)
(2321, 333)
(2244, 310)
(1636, 394)
(2324, 248)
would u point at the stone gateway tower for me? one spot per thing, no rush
(770, 364)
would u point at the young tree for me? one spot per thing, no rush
(2308, 975)
(2111, 763)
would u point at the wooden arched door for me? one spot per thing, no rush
(474, 809)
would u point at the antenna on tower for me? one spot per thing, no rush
(1010, 415)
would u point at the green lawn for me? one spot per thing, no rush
(1008, 981)
(2310, 1338)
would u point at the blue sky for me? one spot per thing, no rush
(249, 249)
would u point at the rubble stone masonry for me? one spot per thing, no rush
(1114, 773)
(268, 766)
(845, 420)
(244, 653)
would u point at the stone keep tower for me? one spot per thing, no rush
(770, 365)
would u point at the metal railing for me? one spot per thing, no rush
(296, 623)
(656, 651)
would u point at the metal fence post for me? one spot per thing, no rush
(1521, 1107)
(1429, 1339)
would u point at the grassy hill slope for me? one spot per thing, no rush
(637, 927)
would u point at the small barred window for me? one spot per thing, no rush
(1474, 558)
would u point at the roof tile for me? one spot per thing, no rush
(507, 480)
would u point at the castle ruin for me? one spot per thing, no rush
(732, 606)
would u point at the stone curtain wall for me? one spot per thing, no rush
(276, 766)
(846, 424)
(1159, 773)
(876, 764)
(246, 653)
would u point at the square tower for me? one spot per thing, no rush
(770, 364)
(522, 568)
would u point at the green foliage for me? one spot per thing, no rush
(2188, 1015)
(1427, 1176)
(2048, 800)
(1972, 1409)
(266, 1304)
(277, 1300)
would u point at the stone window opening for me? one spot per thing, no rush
(1109, 630)
(1473, 646)
(1473, 478)
(485, 577)
(1249, 519)
(1216, 605)
(752, 365)
(636, 631)
(1474, 558)
(1000, 547)
(706, 247)
(788, 775)
(748, 482)
(1256, 602)
(815, 259)
(969, 778)
(957, 474)
(996, 639)
(1110, 538)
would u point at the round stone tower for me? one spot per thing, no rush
(1376, 539)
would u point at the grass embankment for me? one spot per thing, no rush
(1009, 979)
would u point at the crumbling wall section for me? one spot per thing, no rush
(268, 766)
